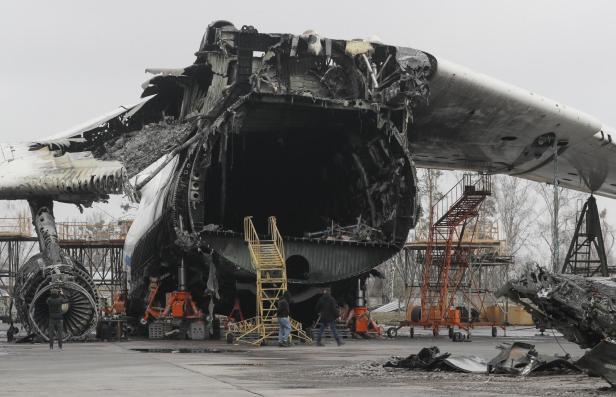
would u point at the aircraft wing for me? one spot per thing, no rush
(96, 131)
(69, 166)
(69, 177)
(475, 122)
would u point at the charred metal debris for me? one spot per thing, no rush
(431, 359)
(583, 309)
(305, 121)
(518, 359)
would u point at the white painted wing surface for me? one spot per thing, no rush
(70, 177)
(475, 122)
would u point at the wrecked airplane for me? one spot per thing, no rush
(324, 134)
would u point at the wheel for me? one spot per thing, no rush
(494, 332)
(392, 332)
(230, 338)
(412, 332)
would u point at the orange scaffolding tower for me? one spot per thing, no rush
(449, 218)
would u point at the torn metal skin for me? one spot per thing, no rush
(601, 361)
(583, 309)
(519, 358)
(310, 129)
(430, 359)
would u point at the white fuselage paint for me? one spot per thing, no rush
(151, 207)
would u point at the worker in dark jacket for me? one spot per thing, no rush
(56, 316)
(284, 322)
(328, 314)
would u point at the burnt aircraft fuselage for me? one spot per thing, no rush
(311, 130)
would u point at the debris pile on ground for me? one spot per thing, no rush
(430, 359)
(519, 358)
(601, 361)
(137, 150)
(582, 308)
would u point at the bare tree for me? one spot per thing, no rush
(569, 203)
(429, 193)
(609, 236)
(515, 210)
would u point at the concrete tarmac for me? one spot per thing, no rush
(217, 369)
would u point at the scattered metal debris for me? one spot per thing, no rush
(582, 308)
(469, 364)
(601, 361)
(430, 359)
(519, 358)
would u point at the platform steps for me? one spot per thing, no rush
(267, 258)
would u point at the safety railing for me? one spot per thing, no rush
(252, 238)
(20, 226)
(92, 231)
(482, 229)
(276, 237)
(470, 184)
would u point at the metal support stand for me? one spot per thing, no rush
(581, 258)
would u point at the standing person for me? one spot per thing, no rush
(328, 312)
(56, 317)
(284, 323)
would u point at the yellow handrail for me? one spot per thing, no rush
(252, 238)
(276, 237)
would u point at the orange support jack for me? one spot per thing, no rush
(178, 304)
(236, 312)
(181, 305)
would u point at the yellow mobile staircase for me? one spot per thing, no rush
(267, 258)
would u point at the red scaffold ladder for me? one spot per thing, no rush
(448, 220)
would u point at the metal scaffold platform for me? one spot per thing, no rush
(459, 263)
(97, 246)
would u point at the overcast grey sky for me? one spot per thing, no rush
(64, 62)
